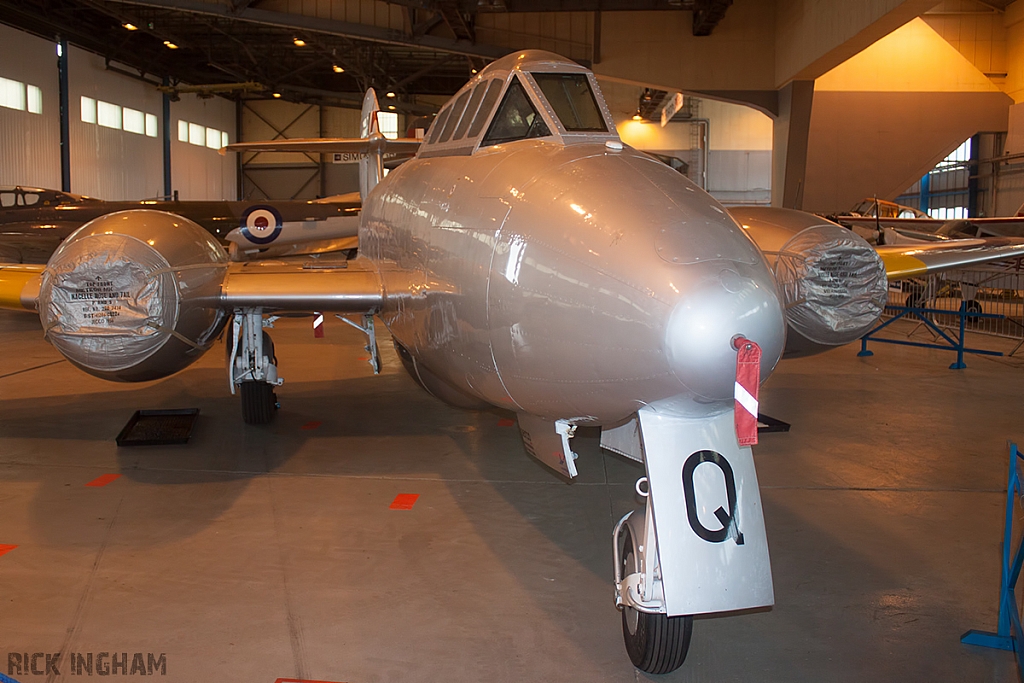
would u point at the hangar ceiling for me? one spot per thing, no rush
(304, 58)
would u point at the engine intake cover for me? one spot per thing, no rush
(117, 298)
(833, 284)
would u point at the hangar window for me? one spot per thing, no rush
(151, 128)
(474, 104)
(134, 121)
(35, 100)
(387, 122)
(573, 101)
(17, 95)
(108, 115)
(516, 118)
(197, 134)
(88, 109)
(457, 109)
(12, 94)
(493, 90)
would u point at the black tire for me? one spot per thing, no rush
(258, 402)
(971, 306)
(656, 643)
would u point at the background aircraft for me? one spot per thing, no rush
(526, 258)
(871, 219)
(33, 221)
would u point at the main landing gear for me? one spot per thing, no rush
(252, 365)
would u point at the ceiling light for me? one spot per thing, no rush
(637, 117)
(277, 95)
(391, 94)
(130, 27)
(391, 107)
(472, 71)
(170, 45)
(299, 42)
(338, 69)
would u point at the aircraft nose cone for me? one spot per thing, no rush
(725, 300)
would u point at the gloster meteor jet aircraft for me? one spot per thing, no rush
(526, 258)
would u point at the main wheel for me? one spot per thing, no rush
(656, 643)
(971, 306)
(258, 402)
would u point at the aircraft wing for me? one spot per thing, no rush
(279, 285)
(306, 285)
(19, 286)
(324, 145)
(913, 260)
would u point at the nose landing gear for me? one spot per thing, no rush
(656, 643)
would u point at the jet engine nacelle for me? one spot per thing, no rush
(833, 286)
(128, 295)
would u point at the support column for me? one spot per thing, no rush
(789, 148)
(166, 124)
(65, 115)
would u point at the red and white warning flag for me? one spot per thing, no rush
(318, 325)
(748, 378)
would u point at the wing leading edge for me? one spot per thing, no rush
(915, 260)
(308, 285)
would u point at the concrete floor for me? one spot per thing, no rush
(254, 554)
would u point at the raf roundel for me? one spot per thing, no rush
(261, 224)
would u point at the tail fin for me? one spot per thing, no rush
(371, 166)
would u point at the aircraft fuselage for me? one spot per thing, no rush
(568, 280)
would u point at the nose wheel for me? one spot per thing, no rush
(656, 643)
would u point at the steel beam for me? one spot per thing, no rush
(366, 32)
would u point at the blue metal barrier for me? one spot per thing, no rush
(953, 344)
(1008, 636)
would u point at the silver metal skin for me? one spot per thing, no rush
(565, 277)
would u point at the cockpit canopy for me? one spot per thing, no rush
(19, 197)
(531, 94)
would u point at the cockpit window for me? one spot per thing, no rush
(474, 103)
(457, 109)
(31, 199)
(6, 199)
(439, 122)
(516, 119)
(573, 101)
(493, 90)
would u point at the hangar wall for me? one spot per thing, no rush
(30, 142)
(116, 131)
(268, 175)
(882, 119)
(198, 171)
(739, 155)
(107, 162)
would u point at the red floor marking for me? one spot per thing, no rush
(312, 425)
(4, 549)
(505, 422)
(404, 501)
(103, 479)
